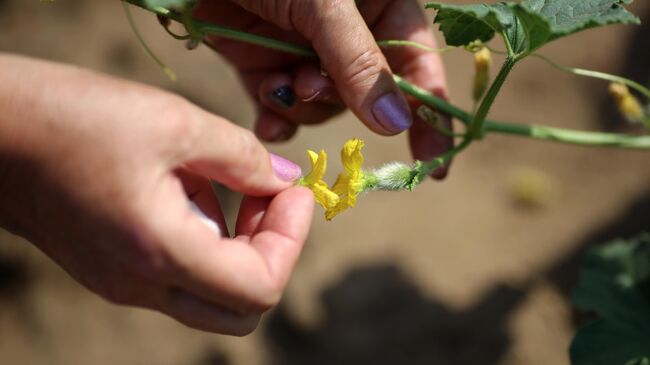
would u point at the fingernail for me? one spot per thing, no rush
(285, 169)
(319, 95)
(392, 113)
(284, 97)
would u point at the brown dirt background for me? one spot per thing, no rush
(454, 273)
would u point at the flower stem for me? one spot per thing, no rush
(476, 130)
(224, 32)
(427, 168)
(568, 136)
(596, 75)
(401, 43)
(559, 135)
(168, 71)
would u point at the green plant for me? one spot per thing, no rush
(615, 284)
(616, 281)
(524, 26)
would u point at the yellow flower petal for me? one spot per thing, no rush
(349, 183)
(627, 103)
(351, 156)
(314, 180)
(318, 167)
(324, 196)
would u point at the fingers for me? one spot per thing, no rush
(245, 277)
(353, 60)
(250, 216)
(196, 313)
(271, 127)
(312, 85)
(277, 93)
(427, 142)
(348, 53)
(234, 157)
(303, 97)
(404, 20)
(282, 232)
(204, 199)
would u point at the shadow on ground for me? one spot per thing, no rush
(377, 315)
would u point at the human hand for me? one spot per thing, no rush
(292, 91)
(99, 174)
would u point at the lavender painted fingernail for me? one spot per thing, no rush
(285, 169)
(392, 113)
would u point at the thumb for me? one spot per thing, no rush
(233, 156)
(348, 53)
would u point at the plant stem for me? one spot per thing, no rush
(432, 100)
(168, 71)
(560, 135)
(476, 128)
(597, 75)
(429, 167)
(581, 138)
(568, 136)
(401, 43)
(224, 32)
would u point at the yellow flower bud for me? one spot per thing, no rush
(627, 103)
(482, 65)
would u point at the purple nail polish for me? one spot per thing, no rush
(285, 169)
(392, 113)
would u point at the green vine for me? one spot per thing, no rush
(478, 124)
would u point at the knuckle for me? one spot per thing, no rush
(249, 149)
(248, 143)
(180, 123)
(365, 68)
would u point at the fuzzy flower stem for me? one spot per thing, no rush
(397, 176)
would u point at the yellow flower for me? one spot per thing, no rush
(482, 63)
(314, 181)
(351, 182)
(627, 103)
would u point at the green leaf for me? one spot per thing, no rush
(640, 361)
(601, 342)
(616, 285)
(565, 17)
(528, 25)
(178, 4)
(464, 24)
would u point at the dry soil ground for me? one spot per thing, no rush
(454, 273)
